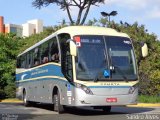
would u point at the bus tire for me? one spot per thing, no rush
(57, 106)
(106, 109)
(25, 101)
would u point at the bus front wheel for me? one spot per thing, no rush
(57, 106)
(25, 101)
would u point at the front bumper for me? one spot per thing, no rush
(83, 99)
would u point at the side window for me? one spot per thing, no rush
(29, 59)
(23, 61)
(66, 58)
(44, 53)
(54, 52)
(36, 57)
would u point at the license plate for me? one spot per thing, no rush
(111, 100)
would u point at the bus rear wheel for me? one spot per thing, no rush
(57, 106)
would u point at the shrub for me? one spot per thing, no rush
(10, 91)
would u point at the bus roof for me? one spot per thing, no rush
(80, 30)
(90, 30)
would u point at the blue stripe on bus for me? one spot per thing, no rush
(48, 70)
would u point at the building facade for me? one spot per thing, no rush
(32, 27)
(2, 28)
(12, 28)
(24, 30)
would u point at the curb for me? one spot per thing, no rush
(11, 101)
(145, 105)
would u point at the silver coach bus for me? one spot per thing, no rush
(79, 66)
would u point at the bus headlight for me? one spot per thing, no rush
(132, 89)
(84, 88)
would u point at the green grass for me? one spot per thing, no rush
(148, 99)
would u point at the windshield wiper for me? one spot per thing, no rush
(102, 73)
(121, 73)
(118, 69)
(96, 76)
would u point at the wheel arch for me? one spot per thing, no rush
(55, 90)
(23, 91)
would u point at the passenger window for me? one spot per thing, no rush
(44, 53)
(36, 56)
(23, 61)
(30, 60)
(54, 52)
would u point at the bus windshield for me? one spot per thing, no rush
(98, 54)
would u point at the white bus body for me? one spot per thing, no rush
(101, 71)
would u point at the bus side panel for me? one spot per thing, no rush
(39, 82)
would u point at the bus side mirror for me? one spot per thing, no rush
(144, 49)
(73, 48)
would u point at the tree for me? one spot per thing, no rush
(33, 39)
(83, 6)
(9, 47)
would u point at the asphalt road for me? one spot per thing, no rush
(16, 111)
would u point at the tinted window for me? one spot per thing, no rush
(36, 56)
(44, 52)
(66, 59)
(54, 52)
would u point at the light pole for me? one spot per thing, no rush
(113, 13)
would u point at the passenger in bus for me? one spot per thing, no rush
(55, 57)
(36, 62)
(54, 53)
(45, 59)
(44, 56)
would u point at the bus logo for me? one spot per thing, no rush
(22, 77)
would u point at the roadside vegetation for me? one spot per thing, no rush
(148, 99)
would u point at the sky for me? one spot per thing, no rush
(145, 12)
